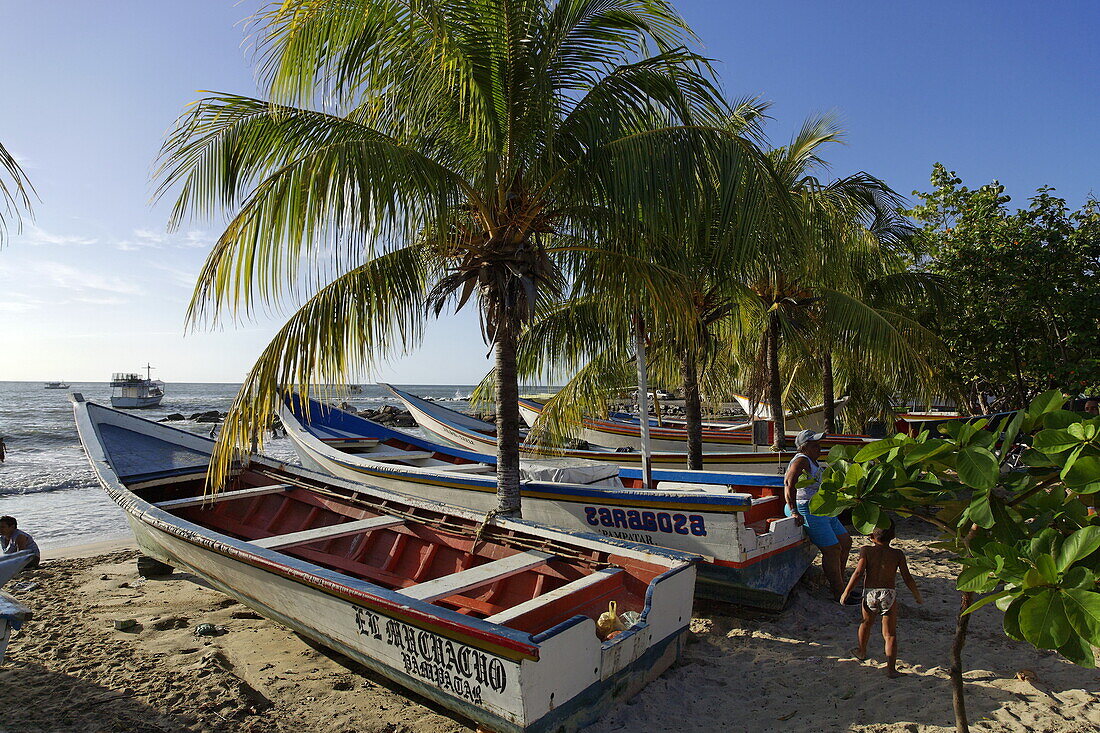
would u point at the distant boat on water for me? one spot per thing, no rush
(57, 385)
(135, 391)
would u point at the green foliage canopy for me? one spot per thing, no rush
(1025, 307)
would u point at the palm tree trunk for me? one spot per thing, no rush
(828, 390)
(775, 387)
(508, 503)
(693, 413)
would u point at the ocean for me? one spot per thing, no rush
(47, 484)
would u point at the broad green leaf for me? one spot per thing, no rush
(865, 518)
(1078, 545)
(1011, 431)
(1082, 608)
(979, 510)
(1048, 541)
(872, 451)
(1047, 402)
(927, 451)
(1078, 651)
(1070, 460)
(1033, 579)
(1084, 474)
(1060, 419)
(1053, 442)
(824, 504)
(993, 597)
(1077, 430)
(1011, 621)
(1079, 577)
(1036, 459)
(1046, 567)
(1043, 620)
(977, 468)
(976, 580)
(854, 474)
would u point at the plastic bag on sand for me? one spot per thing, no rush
(609, 622)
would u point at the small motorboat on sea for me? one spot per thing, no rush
(625, 432)
(130, 391)
(754, 554)
(493, 619)
(57, 385)
(477, 435)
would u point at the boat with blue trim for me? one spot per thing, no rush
(625, 432)
(470, 433)
(494, 620)
(754, 554)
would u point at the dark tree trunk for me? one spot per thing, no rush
(775, 387)
(958, 692)
(693, 413)
(508, 502)
(828, 390)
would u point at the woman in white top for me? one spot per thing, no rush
(13, 540)
(827, 533)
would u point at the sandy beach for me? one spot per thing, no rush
(71, 670)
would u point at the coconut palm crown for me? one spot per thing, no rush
(417, 154)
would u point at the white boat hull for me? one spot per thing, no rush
(130, 403)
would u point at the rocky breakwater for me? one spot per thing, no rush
(390, 416)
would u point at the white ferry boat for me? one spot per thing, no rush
(134, 390)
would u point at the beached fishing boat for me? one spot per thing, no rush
(129, 391)
(626, 433)
(13, 614)
(495, 620)
(754, 554)
(810, 418)
(470, 433)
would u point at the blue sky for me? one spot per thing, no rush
(95, 284)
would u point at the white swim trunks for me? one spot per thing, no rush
(880, 600)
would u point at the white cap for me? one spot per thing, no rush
(807, 436)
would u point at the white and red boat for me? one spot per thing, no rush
(493, 620)
(625, 432)
(470, 433)
(754, 554)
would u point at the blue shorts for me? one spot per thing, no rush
(824, 531)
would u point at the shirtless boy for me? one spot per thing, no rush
(879, 564)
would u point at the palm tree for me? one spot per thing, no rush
(420, 154)
(843, 253)
(15, 192)
(590, 338)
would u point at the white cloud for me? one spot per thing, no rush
(82, 281)
(37, 236)
(149, 239)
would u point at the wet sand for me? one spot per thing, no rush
(71, 670)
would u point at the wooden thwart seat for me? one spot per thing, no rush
(490, 572)
(331, 532)
(395, 455)
(545, 599)
(222, 496)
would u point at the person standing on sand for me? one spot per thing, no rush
(880, 564)
(826, 532)
(13, 540)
